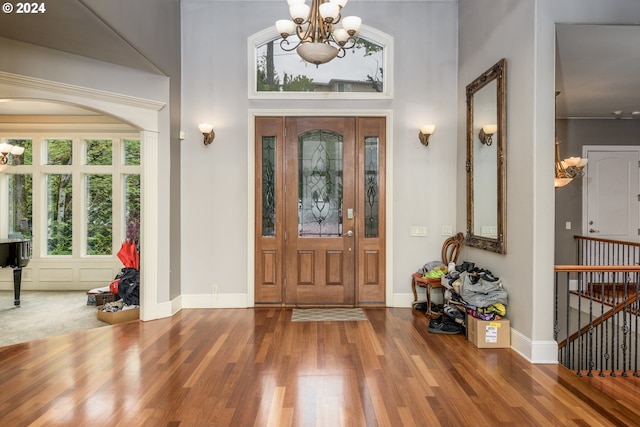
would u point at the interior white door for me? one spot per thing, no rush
(612, 180)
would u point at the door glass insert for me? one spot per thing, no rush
(320, 184)
(268, 186)
(371, 186)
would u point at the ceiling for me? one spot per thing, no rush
(597, 70)
(71, 26)
(597, 66)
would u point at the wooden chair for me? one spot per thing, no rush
(450, 252)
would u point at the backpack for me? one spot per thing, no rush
(129, 286)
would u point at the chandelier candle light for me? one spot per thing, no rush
(5, 150)
(319, 41)
(567, 169)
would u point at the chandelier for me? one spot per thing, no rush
(567, 169)
(319, 41)
(5, 150)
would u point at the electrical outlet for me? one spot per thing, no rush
(214, 289)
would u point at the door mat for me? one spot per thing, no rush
(327, 315)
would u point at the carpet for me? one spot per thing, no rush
(44, 314)
(327, 315)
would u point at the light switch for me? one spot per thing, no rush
(349, 213)
(447, 230)
(419, 231)
(567, 225)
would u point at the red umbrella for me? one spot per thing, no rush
(128, 254)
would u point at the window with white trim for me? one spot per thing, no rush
(365, 72)
(75, 195)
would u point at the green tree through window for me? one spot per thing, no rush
(48, 164)
(99, 215)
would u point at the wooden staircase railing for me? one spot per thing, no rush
(599, 336)
(596, 251)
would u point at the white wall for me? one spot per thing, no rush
(214, 178)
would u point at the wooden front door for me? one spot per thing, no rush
(320, 211)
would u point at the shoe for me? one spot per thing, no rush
(444, 327)
(453, 312)
(420, 306)
(436, 321)
(468, 266)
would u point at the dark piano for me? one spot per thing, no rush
(15, 253)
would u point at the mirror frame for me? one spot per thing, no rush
(498, 245)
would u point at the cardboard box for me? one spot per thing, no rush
(119, 316)
(489, 333)
(105, 297)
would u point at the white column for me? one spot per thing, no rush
(149, 243)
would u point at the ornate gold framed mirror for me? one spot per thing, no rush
(486, 160)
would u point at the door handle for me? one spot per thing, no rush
(591, 230)
(349, 233)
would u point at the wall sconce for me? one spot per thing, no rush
(425, 133)
(207, 132)
(486, 134)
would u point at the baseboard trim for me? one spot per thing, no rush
(401, 301)
(214, 301)
(537, 352)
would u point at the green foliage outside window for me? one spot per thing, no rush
(98, 207)
(25, 158)
(59, 214)
(59, 199)
(99, 215)
(131, 152)
(132, 206)
(59, 152)
(20, 205)
(269, 64)
(98, 152)
(20, 193)
(132, 189)
(298, 84)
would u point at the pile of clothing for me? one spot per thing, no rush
(472, 290)
(480, 292)
(125, 287)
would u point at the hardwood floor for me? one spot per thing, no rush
(254, 367)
